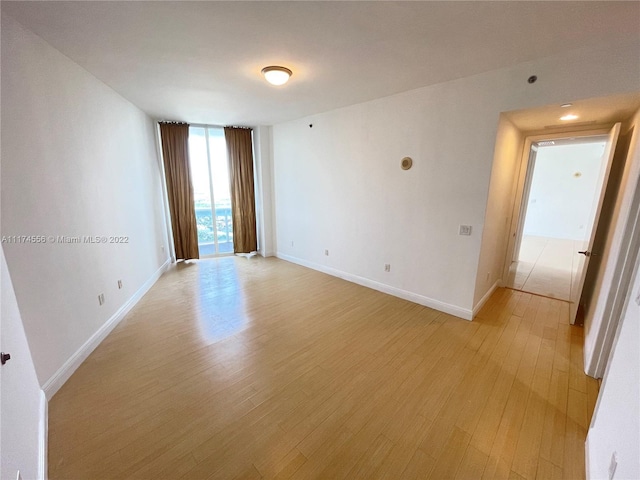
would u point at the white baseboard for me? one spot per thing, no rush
(486, 297)
(43, 435)
(58, 379)
(454, 310)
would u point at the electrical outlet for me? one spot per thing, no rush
(326, 252)
(613, 465)
(119, 284)
(387, 267)
(101, 299)
(464, 230)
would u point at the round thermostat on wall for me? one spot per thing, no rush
(406, 163)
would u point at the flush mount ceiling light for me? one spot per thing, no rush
(276, 75)
(566, 105)
(569, 116)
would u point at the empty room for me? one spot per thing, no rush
(320, 240)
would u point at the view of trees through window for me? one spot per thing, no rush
(210, 177)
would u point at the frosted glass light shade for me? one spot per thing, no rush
(276, 75)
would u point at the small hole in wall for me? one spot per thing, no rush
(532, 79)
(311, 125)
(406, 163)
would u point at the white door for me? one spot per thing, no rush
(579, 271)
(22, 404)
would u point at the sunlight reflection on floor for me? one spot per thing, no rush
(220, 301)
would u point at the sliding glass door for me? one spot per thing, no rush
(210, 176)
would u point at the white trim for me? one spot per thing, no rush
(43, 435)
(463, 313)
(58, 379)
(587, 470)
(486, 297)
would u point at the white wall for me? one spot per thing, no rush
(561, 203)
(615, 426)
(21, 400)
(264, 190)
(77, 159)
(339, 186)
(497, 220)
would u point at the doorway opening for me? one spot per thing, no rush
(211, 190)
(563, 182)
(561, 196)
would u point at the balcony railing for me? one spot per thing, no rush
(224, 227)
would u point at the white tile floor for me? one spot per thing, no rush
(545, 267)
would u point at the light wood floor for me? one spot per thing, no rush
(257, 368)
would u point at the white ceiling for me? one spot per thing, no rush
(590, 112)
(200, 61)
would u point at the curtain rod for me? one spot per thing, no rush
(205, 125)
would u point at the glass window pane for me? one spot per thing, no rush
(201, 190)
(221, 192)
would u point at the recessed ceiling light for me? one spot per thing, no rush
(569, 116)
(566, 105)
(276, 75)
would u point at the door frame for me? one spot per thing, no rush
(524, 206)
(514, 233)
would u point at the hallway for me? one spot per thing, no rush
(545, 267)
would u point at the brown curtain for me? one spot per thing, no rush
(175, 151)
(243, 204)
